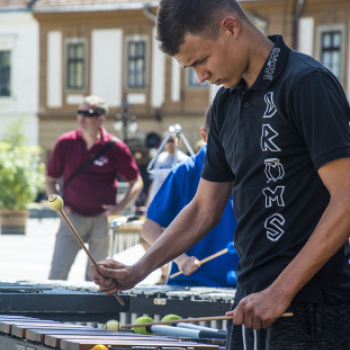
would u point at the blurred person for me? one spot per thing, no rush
(165, 160)
(89, 186)
(176, 192)
(198, 145)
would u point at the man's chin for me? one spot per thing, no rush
(229, 85)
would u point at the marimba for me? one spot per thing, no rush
(63, 301)
(23, 333)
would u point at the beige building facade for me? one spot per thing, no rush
(108, 48)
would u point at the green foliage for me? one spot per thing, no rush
(22, 174)
(14, 135)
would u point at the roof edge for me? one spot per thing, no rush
(93, 8)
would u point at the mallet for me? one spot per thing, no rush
(230, 248)
(142, 323)
(56, 203)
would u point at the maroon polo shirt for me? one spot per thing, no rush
(97, 184)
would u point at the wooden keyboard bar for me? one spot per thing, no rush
(20, 331)
(6, 326)
(38, 335)
(55, 340)
(87, 344)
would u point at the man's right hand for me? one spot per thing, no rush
(187, 264)
(113, 276)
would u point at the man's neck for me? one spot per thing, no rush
(90, 137)
(258, 56)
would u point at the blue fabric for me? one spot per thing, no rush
(176, 192)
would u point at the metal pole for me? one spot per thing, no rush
(125, 119)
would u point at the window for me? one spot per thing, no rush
(75, 66)
(5, 73)
(331, 51)
(192, 79)
(136, 51)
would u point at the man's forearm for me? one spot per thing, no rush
(328, 237)
(131, 194)
(151, 231)
(188, 228)
(51, 185)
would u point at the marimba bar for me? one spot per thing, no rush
(64, 301)
(20, 330)
(28, 334)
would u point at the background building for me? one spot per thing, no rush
(19, 68)
(55, 52)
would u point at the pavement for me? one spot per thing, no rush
(28, 257)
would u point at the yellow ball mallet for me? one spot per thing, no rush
(56, 203)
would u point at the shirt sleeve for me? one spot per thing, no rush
(57, 160)
(127, 167)
(168, 201)
(216, 168)
(322, 115)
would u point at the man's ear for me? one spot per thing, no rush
(230, 24)
(203, 134)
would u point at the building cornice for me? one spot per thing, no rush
(96, 8)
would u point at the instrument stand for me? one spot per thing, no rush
(176, 131)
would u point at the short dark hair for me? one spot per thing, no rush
(176, 18)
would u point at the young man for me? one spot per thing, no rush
(176, 192)
(280, 139)
(90, 197)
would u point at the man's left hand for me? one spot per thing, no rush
(111, 209)
(260, 310)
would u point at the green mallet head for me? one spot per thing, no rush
(142, 330)
(170, 317)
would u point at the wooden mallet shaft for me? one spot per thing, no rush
(211, 257)
(76, 235)
(200, 319)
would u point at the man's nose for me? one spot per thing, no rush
(202, 75)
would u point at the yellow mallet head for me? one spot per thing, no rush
(55, 202)
(99, 347)
(113, 325)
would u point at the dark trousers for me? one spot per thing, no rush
(312, 327)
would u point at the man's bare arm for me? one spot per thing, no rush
(151, 231)
(261, 309)
(51, 185)
(135, 187)
(190, 226)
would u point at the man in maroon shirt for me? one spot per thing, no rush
(90, 197)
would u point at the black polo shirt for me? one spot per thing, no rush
(270, 140)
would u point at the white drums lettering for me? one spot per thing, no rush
(273, 168)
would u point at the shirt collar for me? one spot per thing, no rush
(272, 68)
(102, 140)
(104, 135)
